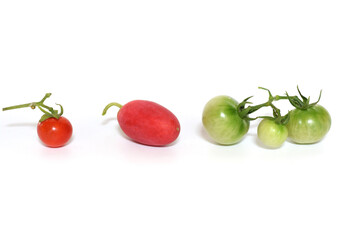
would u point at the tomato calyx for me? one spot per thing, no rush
(277, 117)
(245, 112)
(242, 111)
(304, 103)
(49, 112)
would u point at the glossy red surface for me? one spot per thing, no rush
(55, 132)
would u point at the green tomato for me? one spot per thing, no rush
(308, 125)
(222, 122)
(271, 133)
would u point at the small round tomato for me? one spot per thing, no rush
(55, 132)
(222, 121)
(308, 125)
(53, 129)
(271, 133)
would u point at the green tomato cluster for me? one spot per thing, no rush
(227, 121)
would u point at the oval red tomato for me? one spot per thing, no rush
(55, 132)
(148, 123)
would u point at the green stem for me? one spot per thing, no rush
(32, 104)
(276, 111)
(47, 95)
(244, 112)
(277, 97)
(50, 113)
(257, 107)
(110, 105)
(18, 106)
(42, 109)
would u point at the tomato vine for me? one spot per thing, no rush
(227, 121)
(49, 112)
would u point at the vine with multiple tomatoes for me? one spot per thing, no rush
(227, 121)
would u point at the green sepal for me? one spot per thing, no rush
(277, 118)
(295, 101)
(242, 111)
(45, 117)
(52, 113)
(301, 104)
(302, 96)
(61, 110)
(241, 105)
(313, 104)
(283, 120)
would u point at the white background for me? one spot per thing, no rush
(179, 54)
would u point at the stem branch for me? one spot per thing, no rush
(49, 113)
(109, 106)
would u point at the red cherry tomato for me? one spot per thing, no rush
(55, 132)
(53, 129)
(147, 122)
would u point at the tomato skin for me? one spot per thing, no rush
(309, 125)
(55, 132)
(148, 123)
(272, 134)
(222, 122)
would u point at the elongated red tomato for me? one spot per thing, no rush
(148, 123)
(55, 132)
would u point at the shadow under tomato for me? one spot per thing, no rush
(25, 124)
(296, 143)
(107, 120)
(152, 146)
(56, 154)
(260, 144)
(204, 135)
(117, 127)
(66, 144)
